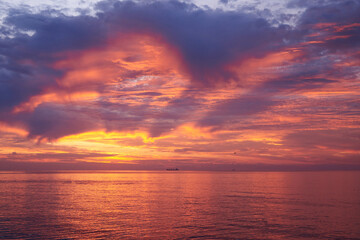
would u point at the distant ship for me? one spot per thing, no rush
(172, 169)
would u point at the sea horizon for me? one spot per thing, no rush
(164, 170)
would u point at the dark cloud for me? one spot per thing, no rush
(207, 40)
(339, 12)
(52, 121)
(59, 33)
(149, 94)
(121, 117)
(339, 139)
(177, 112)
(294, 83)
(20, 82)
(240, 148)
(347, 40)
(224, 1)
(236, 110)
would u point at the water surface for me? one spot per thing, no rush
(180, 205)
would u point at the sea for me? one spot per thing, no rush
(179, 205)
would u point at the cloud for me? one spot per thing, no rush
(57, 33)
(206, 40)
(337, 139)
(19, 82)
(332, 11)
(157, 67)
(338, 20)
(52, 121)
(236, 110)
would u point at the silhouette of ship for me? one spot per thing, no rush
(172, 169)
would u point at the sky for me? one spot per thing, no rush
(197, 85)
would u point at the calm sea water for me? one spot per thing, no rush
(180, 205)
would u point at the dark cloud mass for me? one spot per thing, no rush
(236, 110)
(207, 40)
(339, 12)
(334, 139)
(52, 122)
(59, 33)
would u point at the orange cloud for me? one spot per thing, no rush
(4, 127)
(55, 97)
(112, 63)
